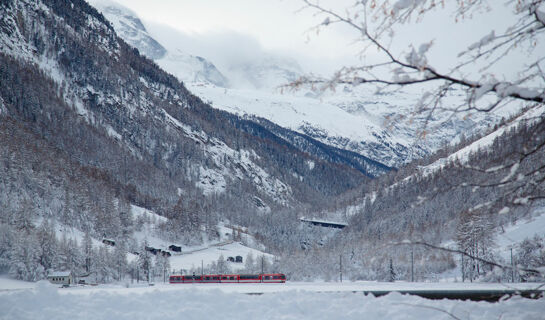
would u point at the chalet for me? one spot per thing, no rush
(230, 259)
(175, 248)
(109, 242)
(64, 278)
(154, 251)
(238, 259)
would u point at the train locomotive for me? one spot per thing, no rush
(229, 278)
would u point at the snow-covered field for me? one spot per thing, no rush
(281, 301)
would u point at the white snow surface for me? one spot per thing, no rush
(226, 301)
(193, 258)
(516, 233)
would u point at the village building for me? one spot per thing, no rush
(64, 278)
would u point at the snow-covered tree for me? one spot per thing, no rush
(531, 253)
(387, 60)
(475, 237)
(120, 260)
(249, 264)
(25, 258)
(145, 262)
(87, 251)
(503, 66)
(48, 248)
(221, 265)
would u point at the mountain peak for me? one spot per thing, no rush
(127, 24)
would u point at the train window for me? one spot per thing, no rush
(267, 278)
(215, 278)
(207, 278)
(231, 278)
(275, 277)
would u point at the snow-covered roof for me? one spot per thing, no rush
(59, 274)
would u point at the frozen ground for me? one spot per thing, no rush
(282, 301)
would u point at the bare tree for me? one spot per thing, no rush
(476, 71)
(375, 22)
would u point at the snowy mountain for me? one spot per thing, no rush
(264, 73)
(192, 69)
(186, 67)
(127, 23)
(381, 127)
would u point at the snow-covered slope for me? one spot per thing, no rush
(264, 72)
(191, 69)
(355, 119)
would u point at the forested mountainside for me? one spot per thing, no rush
(87, 121)
(464, 200)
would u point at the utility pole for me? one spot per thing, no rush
(463, 273)
(202, 267)
(341, 267)
(262, 259)
(512, 267)
(412, 264)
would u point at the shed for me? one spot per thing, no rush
(175, 248)
(230, 259)
(109, 242)
(238, 259)
(153, 250)
(64, 278)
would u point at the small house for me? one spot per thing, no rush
(175, 248)
(64, 278)
(230, 259)
(109, 242)
(154, 251)
(238, 259)
(166, 254)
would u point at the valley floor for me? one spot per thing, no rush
(293, 300)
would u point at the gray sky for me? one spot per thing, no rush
(273, 25)
(230, 29)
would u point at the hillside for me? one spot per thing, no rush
(89, 126)
(472, 197)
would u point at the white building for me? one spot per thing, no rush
(64, 278)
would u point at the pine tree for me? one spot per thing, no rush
(120, 259)
(392, 274)
(25, 258)
(221, 265)
(48, 246)
(87, 250)
(249, 264)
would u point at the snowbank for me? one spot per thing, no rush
(182, 302)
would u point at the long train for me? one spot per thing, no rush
(230, 278)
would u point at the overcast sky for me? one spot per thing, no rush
(240, 29)
(275, 26)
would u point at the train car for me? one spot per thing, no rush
(249, 278)
(230, 278)
(273, 278)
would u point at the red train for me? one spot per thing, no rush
(230, 278)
